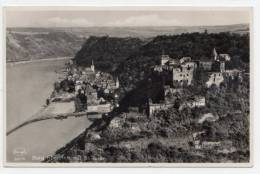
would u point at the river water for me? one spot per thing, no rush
(28, 85)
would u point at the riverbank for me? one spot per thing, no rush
(38, 60)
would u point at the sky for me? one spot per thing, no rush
(60, 17)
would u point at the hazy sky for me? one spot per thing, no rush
(60, 17)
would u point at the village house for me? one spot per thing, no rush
(78, 85)
(113, 84)
(197, 144)
(100, 108)
(153, 107)
(206, 144)
(234, 73)
(105, 108)
(210, 144)
(197, 101)
(91, 94)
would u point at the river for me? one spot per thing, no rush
(28, 85)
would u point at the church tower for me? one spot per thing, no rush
(117, 82)
(215, 54)
(92, 66)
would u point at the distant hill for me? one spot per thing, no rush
(38, 43)
(140, 32)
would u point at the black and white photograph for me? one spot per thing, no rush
(131, 86)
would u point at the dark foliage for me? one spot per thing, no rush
(107, 52)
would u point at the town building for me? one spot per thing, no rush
(153, 107)
(100, 108)
(233, 73)
(196, 101)
(210, 144)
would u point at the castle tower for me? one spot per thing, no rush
(117, 82)
(92, 66)
(164, 58)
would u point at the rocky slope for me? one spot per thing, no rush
(40, 45)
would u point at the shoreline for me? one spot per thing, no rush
(38, 60)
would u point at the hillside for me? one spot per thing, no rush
(135, 73)
(167, 136)
(40, 45)
(107, 52)
(128, 134)
(132, 58)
